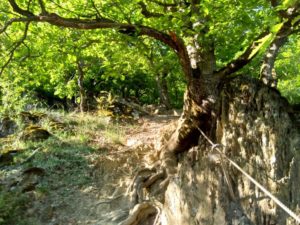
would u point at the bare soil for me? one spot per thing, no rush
(102, 199)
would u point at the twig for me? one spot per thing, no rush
(31, 155)
(95, 7)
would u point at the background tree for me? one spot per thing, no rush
(120, 69)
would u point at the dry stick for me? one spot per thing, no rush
(276, 200)
(31, 155)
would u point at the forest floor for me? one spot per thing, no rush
(80, 175)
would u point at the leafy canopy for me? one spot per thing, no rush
(46, 58)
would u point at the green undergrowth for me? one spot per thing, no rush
(11, 205)
(65, 157)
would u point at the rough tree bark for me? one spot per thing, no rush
(255, 125)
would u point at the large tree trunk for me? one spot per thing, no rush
(255, 126)
(253, 122)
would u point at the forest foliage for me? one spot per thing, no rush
(39, 67)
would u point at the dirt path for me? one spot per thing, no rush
(148, 132)
(102, 199)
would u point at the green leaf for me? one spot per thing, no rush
(261, 44)
(274, 29)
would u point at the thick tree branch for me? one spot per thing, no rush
(99, 23)
(170, 39)
(278, 41)
(267, 72)
(83, 24)
(289, 25)
(243, 59)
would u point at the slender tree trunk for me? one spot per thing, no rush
(82, 104)
(163, 89)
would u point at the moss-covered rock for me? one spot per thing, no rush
(31, 117)
(121, 108)
(7, 157)
(7, 126)
(34, 133)
(56, 125)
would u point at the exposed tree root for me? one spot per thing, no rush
(108, 200)
(143, 213)
(144, 179)
(156, 179)
(153, 179)
(224, 193)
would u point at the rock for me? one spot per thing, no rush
(119, 107)
(31, 118)
(35, 170)
(31, 178)
(56, 125)
(7, 127)
(34, 133)
(7, 156)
